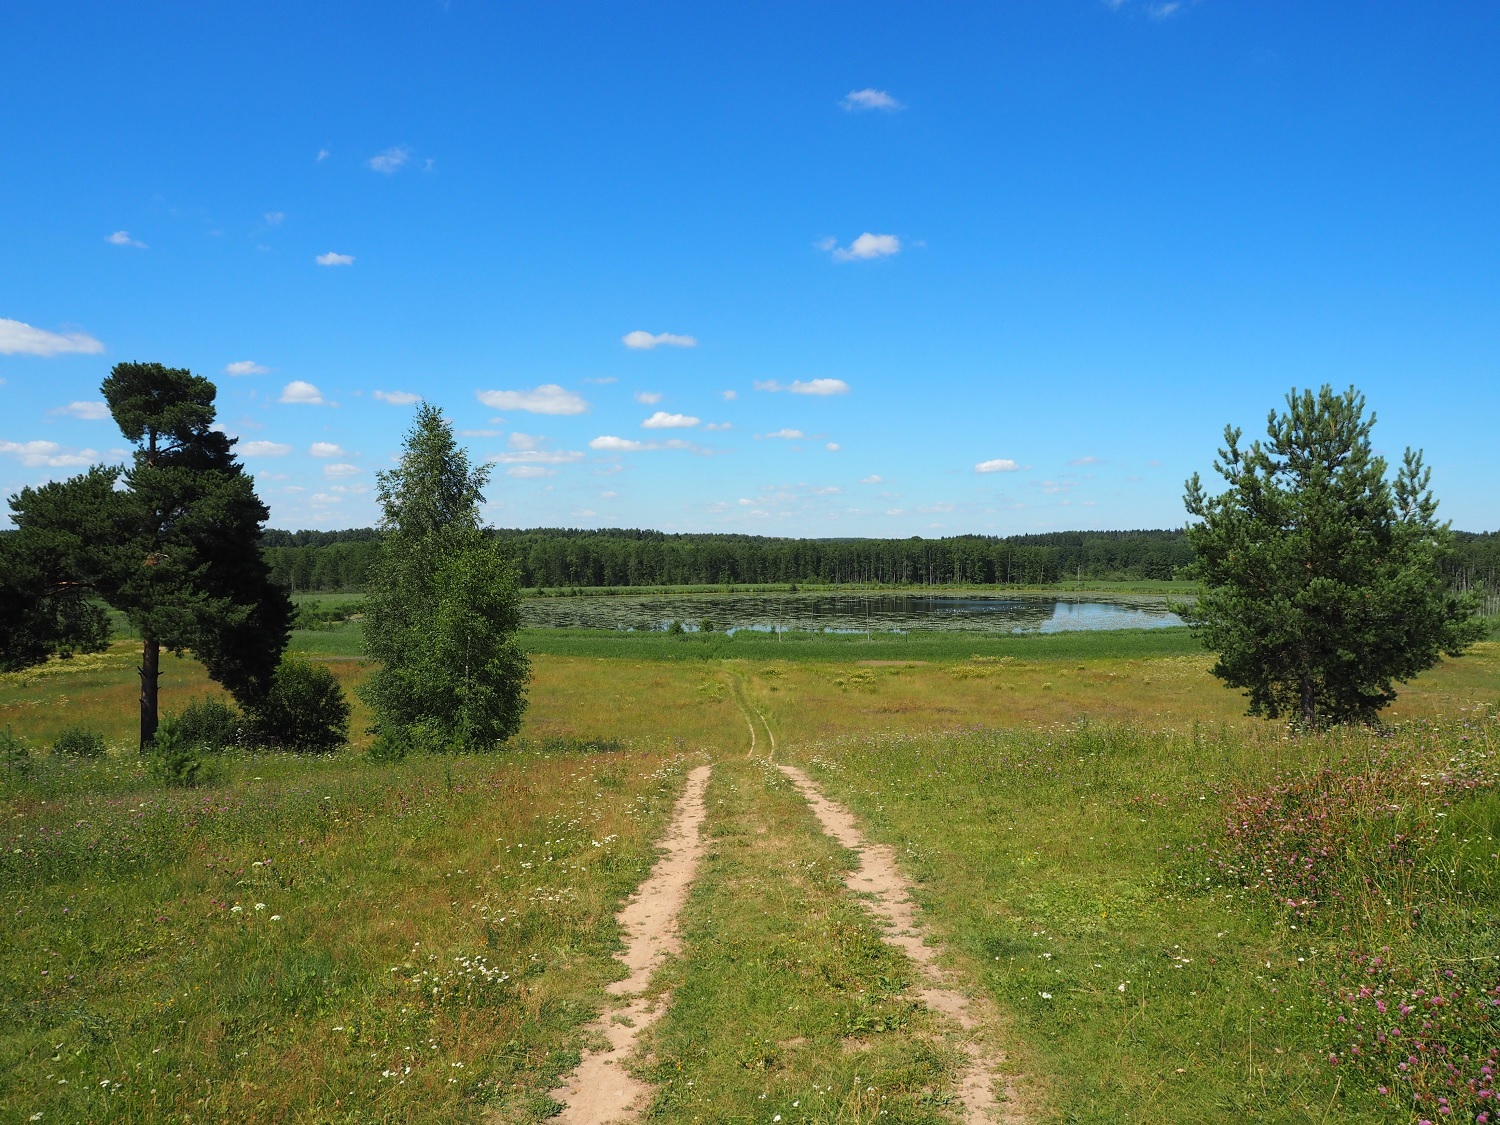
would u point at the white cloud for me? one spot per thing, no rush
(390, 160)
(398, 398)
(998, 465)
(325, 498)
(608, 495)
(616, 444)
(529, 471)
(340, 470)
(729, 396)
(719, 426)
(122, 238)
(322, 155)
(333, 259)
(245, 367)
(518, 440)
(47, 453)
(832, 447)
(539, 457)
(17, 338)
(326, 449)
(869, 99)
(602, 380)
(661, 420)
(275, 218)
(301, 392)
(262, 449)
(785, 434)
(1089, 460)
(478, 433)
(549, 398)
(89, 411)
(648, 398)
(645, 341)
(873, 478)
(809, 387)
(863, 248)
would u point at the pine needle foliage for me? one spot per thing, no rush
(1322, 583)
(443, 607)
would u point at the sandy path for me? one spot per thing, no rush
(600, 1091)
(890, 900)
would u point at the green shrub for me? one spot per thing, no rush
(211, 724)
(304, 710)
(676, 627)
(15, 755)
(706, 625)
(78, 742)
(178, 762)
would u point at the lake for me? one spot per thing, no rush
(854, 613)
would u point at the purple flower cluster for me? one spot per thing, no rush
(1431, 1044)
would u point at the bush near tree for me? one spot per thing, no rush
(1322, 580)
(305, 709)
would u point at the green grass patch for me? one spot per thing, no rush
(316, 940)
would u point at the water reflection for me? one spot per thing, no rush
(854, 613)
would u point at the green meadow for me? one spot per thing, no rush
(1180, 913)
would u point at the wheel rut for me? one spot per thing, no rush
(887, 893)
(600, 1091)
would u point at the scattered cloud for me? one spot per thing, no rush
(17, 338)
(832, 447)
(784, 434)
(326, 449)
(333, 259)
(857, 100)
(478, 433)
(601, 380)
(340, 470)
(608, 495)
(661, 420)
(298, 391)
(398, 398)
(645, 341)
(528, 471)
(518, 440)
(262, 449)
(122, 238)
(719, 426)
(611, 444)
(998, 465)
(549, 398)
(47, 453)
(89, 411)
(873, 478)
(1089, 460)
(809, 387)
(538, 457)
(648, 398)
(607, 443)
(390, 160)
(323, 155)
(275, 218)
(729, 396)
(864, 248)
(245, 367)
(1162, 11)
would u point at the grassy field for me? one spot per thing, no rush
(1107, 846)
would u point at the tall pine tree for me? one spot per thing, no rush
(171, 542)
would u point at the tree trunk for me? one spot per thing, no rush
(150, 672)
(1309, 704)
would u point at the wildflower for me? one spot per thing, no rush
(260, 906)
(1121, 986)
(275, 917)
(236, 909)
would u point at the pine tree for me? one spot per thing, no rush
(171, 542)
(1321, 580)
(442, 604)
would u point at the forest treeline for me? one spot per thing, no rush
(560, 557)
(557, 557)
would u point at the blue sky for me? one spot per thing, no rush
(902, 269)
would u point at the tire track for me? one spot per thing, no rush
(600, 1091)
(889, 899)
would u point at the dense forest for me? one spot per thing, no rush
(559, 557)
